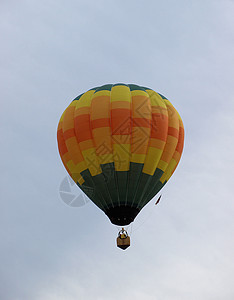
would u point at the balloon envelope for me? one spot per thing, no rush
(120, 144)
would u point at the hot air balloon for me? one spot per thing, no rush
(120, 143)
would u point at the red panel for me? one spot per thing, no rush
(82, 128)
(173, 132)
(159, 127)
(141, 122)
(61, 143)
(104, 122)
(121, 121)
(68, 134)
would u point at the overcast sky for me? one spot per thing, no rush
(51, 51)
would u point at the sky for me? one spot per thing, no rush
(51, 51)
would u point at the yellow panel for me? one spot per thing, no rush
(103, 93)
(156, 99)
(137, 158)
(75, 171)
(120, 104)
(81, 180)
(169, 148)
(121, 155)
(152, 159)
(85, 100)
(92, 161)
(60, 124)
(120, 92)
(73, 103)
(166, 101)
(162, 165)
(168, 171)
(139, 93)
(77, 177)
(176, 156)
(61, 119)
(121, 139)
(105, 158)
(78, 168)
(139, 140)
(86, 145)
(74, 150)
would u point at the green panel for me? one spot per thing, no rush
(135, 172)
(146, 185)
(102, 189)
(155, 186)
(78, 97)
(101, 192)
(162, 96)
(154, 192)
(142, 187)
(89, 188)
(122, 180)
(106, 87)
(117, 84)
(146, 88)
(109, 176)
(134, 87)
(93, 89)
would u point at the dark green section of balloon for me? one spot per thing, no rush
(111, 188)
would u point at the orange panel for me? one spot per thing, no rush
(155, 143)
(82, 111)
(120, 104)
(141, 107)
(74, 151)
(66, 157)
(102, 140)
(172, 117)
(68, 121)
(100, 107)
